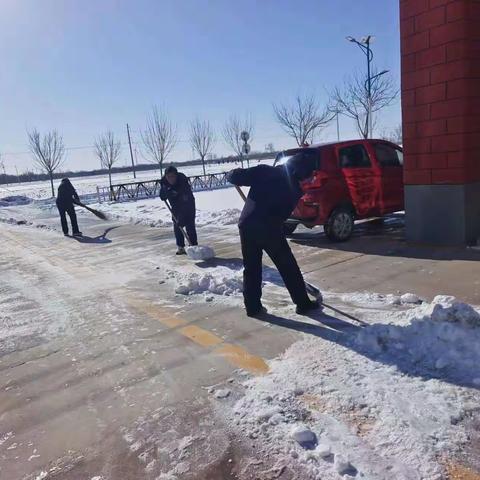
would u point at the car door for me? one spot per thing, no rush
(362, 181)
(389, 159)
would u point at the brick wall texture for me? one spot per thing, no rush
(440, 41)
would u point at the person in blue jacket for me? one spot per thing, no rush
(274, 193)
(66, 197)
(175, 188)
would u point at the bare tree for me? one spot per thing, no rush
(107, 150)
(202, 139)
(232, 131)
(303, 119)
(269, 147)
(353, 100)
(159, 137)
(48, 151)
(395, 135)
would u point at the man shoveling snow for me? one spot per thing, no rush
(274, 193)
(175, 188)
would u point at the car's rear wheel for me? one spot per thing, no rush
(339, 227)
(289, 227)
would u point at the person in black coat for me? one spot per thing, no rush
(175, 188)
(274, 193)
(66, 198)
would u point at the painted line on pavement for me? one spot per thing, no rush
(234, 354)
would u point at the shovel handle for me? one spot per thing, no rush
(176, 222)
(240, 192)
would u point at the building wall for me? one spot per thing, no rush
(440, 42)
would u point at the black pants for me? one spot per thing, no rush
(274, 243)
(70, 209)
(189, 226)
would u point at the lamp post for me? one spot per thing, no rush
(364, 45)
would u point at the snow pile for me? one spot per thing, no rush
(442, 340)
(380, 300)
(367, 404)
(217, 207)
(218, 281)
(14, 200)
(227, 216)
(200, 252)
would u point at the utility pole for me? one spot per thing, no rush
(337, 111)
(369, 77)
(364, 45)
(131, 153)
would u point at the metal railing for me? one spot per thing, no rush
(151, 188)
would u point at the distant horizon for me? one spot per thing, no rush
(83, 69)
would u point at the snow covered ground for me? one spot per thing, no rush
(217, 207)
(387, 401)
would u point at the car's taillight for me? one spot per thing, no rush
(309, 199)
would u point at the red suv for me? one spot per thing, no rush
(352, 180)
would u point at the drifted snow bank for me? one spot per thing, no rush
(216, 207)
(367, 404)
(443, 338)
(14, 200)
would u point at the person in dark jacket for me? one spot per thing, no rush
(175, 188)
(274, 193)
(66, 198)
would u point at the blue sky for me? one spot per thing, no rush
(86, 66)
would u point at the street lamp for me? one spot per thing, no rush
(364, 45)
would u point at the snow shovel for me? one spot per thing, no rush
(97, 213)
(194, 252)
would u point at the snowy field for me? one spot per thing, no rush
(88, 185)
(218, 207)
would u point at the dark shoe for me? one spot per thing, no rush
(181, 251)
(256, 313)
(307, 307)
(77, 234)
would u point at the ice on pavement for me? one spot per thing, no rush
(384, 401)
(200, 252)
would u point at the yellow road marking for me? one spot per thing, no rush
(239, 357)
(152, 310)
(234, 354)
(458, 472)
(200, 336)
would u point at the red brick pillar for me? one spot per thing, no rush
(441, 119)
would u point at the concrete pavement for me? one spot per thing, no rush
(109, 372)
